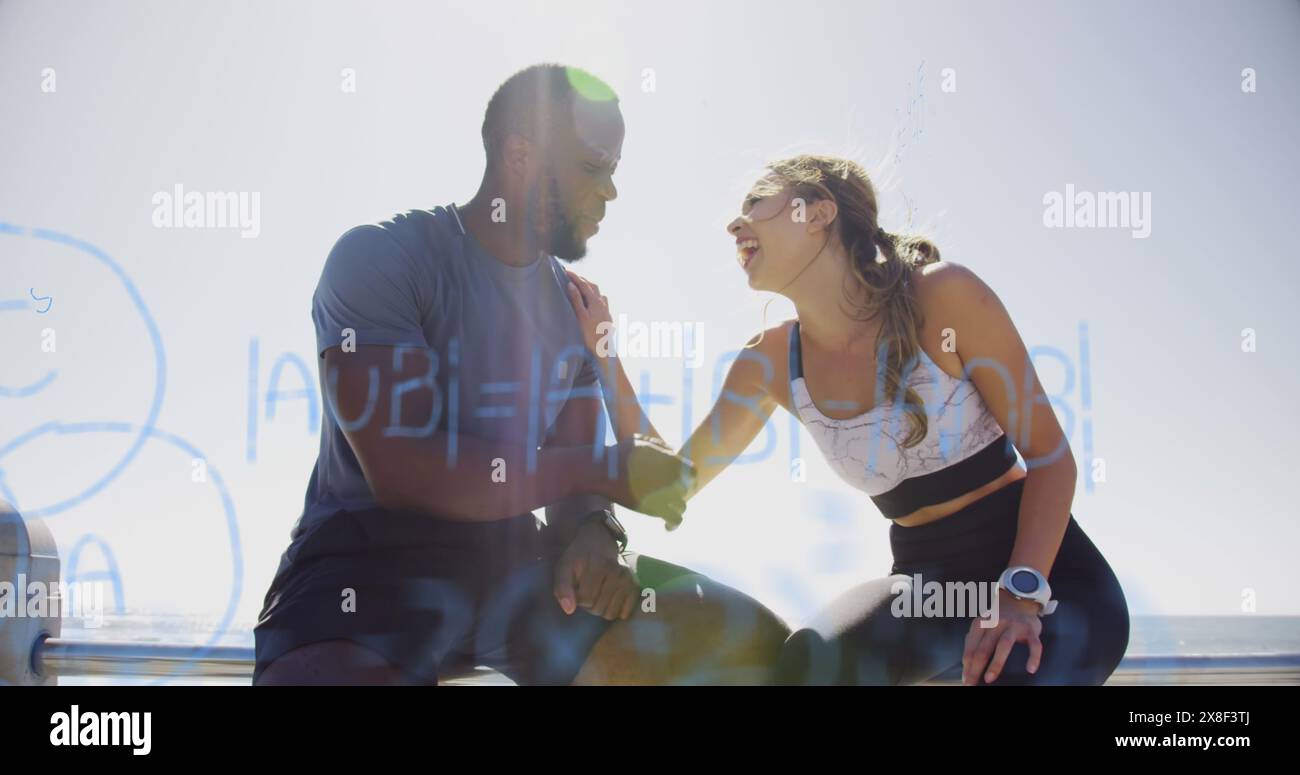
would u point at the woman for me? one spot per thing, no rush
(905, 370)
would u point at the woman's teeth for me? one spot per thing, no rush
(745, 251)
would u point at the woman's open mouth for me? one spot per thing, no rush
(745, 252)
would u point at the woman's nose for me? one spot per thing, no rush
(734, 226)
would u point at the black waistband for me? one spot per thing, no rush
(979, 537)
(948, 483)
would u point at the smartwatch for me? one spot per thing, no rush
(1025, 583)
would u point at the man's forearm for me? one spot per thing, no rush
(487, 481)
(565, 516)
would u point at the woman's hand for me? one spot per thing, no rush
(1018, 622)
(592, 310)
(652, 479)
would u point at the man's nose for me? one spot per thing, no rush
(609, 191)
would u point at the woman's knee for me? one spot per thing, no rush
(867, 656)
(1082, 645)
(859, 639)
(809, 659)
(1112, 639)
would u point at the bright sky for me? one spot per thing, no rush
(1195, 512)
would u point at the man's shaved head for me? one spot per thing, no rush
(540, 101)
(553, 136)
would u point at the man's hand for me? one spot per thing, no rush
(591, 574)
(652, 479)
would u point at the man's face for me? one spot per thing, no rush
(567, 201)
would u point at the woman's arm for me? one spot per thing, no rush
(739, 414)
(995, 357)
(592, 311)
(997, 362)
(741, 411)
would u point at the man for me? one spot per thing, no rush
(460, 399)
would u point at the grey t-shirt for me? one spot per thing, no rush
(507, 349)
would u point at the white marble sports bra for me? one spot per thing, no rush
(963, 449)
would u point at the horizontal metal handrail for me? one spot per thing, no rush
(32, 653)
(59, 657)
(1279, 668)
(1141, 669)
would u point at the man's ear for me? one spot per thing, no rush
(516, 156)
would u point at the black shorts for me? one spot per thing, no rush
(434, 597)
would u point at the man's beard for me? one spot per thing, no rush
(560, 238)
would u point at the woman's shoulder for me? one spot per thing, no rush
(772, 333)
(946, 293)
(766, 365)
(773, 342)
(943, 279)
(951, 286)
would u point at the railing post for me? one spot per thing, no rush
(28, 555)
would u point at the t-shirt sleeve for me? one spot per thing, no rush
(369, 287)
(586, 376)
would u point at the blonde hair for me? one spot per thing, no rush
(881, 264)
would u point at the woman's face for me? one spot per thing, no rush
(773, 240)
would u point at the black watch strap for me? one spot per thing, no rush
(611, 523)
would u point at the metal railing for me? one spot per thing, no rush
(56, 657)
(31, 651)
(1194, 669)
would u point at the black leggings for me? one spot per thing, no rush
(858, 639)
